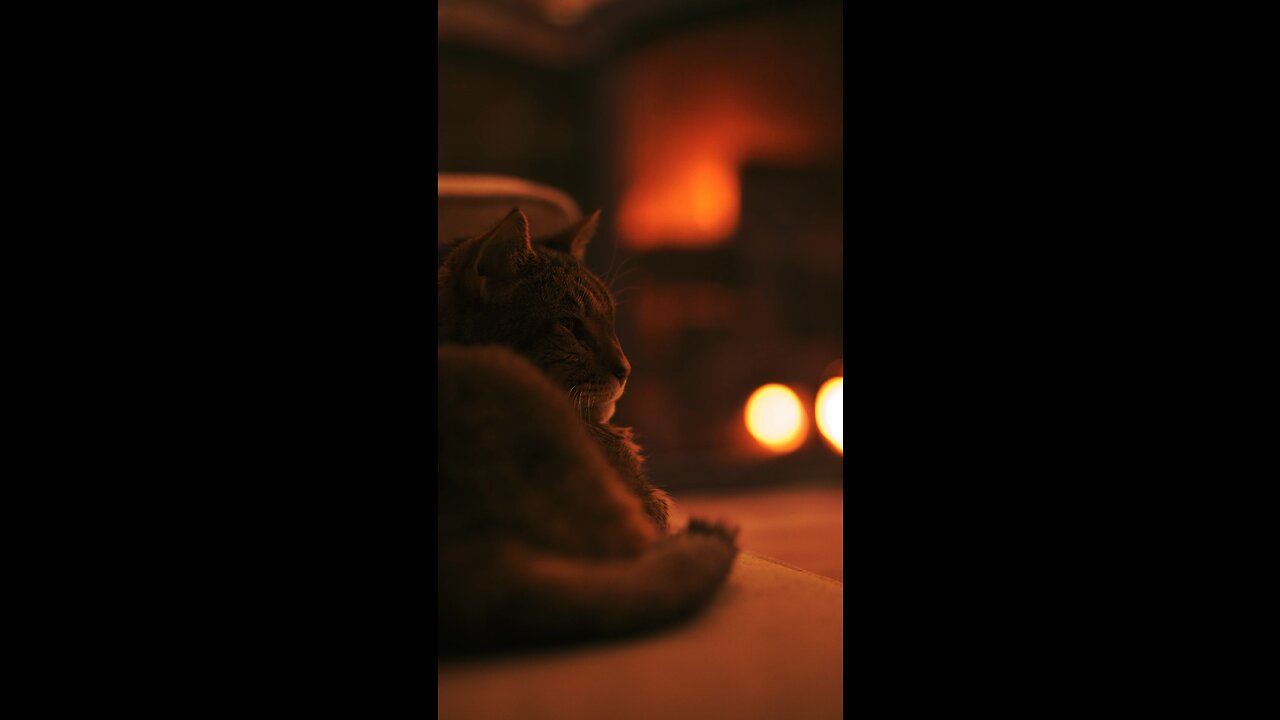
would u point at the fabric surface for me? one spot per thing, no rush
(800, 524)
(471, 204)
(769, 646)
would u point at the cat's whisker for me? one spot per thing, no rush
(613, 255)
(620, 271)
(622, 297)
(625, 267)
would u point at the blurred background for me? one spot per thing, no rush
(710, 132)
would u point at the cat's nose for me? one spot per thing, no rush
(621, 368)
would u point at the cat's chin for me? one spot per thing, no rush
(598, 410)
(603, 412)
(596, 403)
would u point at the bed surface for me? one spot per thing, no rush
(769, 646)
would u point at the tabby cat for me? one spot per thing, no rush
(549, 531)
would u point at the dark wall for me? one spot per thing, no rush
(705, 327)
(503, 115)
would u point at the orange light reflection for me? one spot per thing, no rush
(829, 411)
(776, 418)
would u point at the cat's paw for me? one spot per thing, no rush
(658, 505)
(721, 527)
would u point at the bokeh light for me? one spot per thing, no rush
(829, 411)
(776, 418)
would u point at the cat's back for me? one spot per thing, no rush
(500, 416)
(492, 379)
(514, 453)
(481, 358)
(496, 412)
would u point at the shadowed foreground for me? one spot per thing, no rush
(770, 645)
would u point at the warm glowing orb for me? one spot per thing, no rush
(776, 418)
(829, 410)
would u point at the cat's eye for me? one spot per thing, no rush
(571, 324)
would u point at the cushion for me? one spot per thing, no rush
(770, 645)
(470, 204)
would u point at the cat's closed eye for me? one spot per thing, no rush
(572, 324)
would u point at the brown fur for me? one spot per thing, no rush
(537, 299)
(549, 530)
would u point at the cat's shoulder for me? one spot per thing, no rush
(491, 364)
(496, 357)
(480, 388)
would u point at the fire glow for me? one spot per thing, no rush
(829, 411)
(775, 417)
(695, 107)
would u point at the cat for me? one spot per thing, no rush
(556, 338)
(549, 532)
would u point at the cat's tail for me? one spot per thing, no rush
(507, 595)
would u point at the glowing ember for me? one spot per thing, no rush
(776, 418)
(829, 410)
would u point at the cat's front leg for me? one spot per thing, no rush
(624, 455)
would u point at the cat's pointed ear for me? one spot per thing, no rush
(574, 239)
(500, 251)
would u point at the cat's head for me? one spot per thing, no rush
(534, 296)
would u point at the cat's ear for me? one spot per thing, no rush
(500, 251)
(574, 239)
